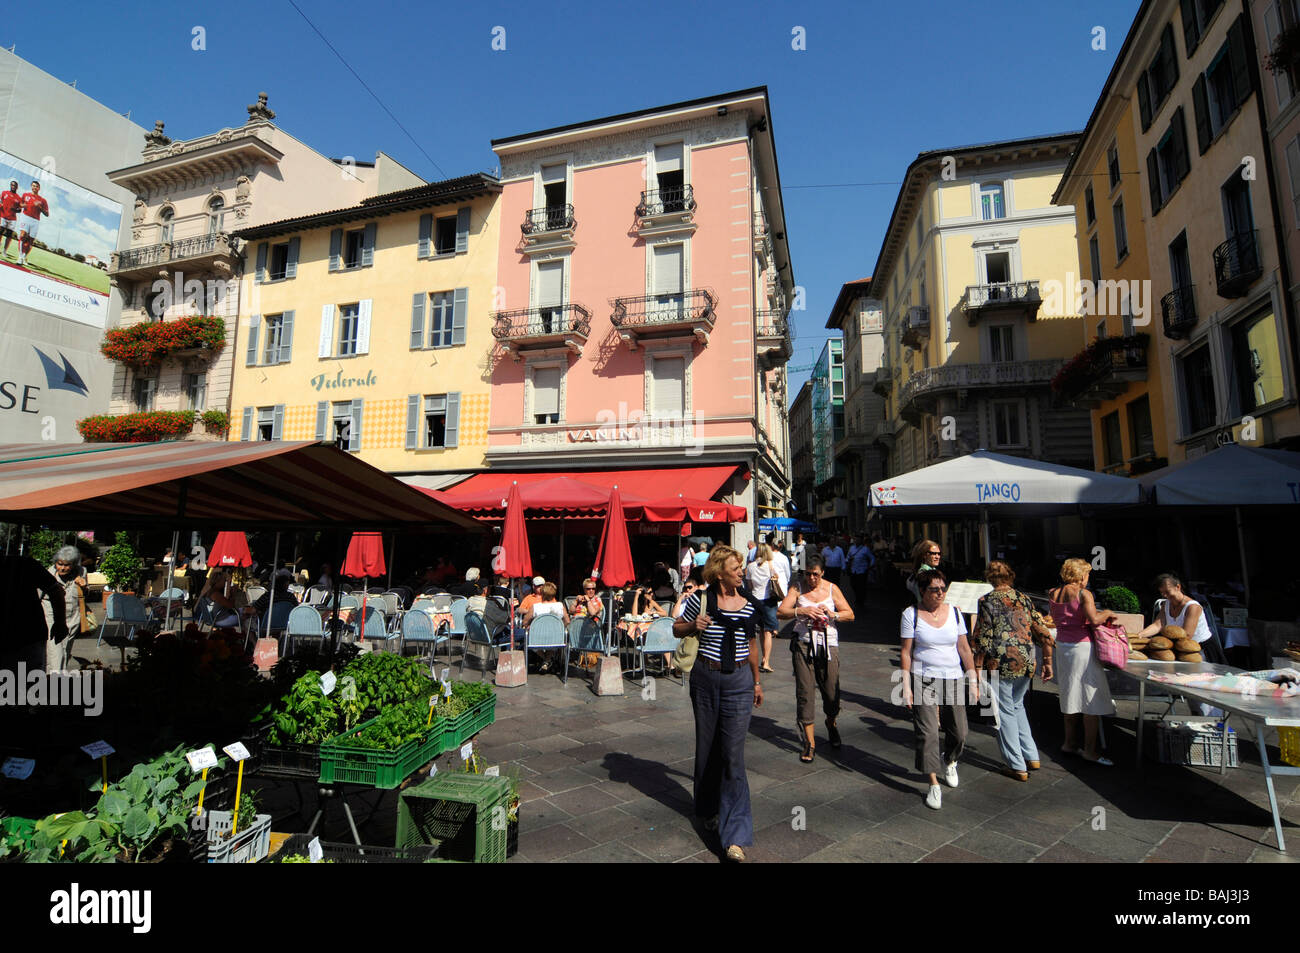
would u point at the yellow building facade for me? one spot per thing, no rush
(369, 327)
(1120, 377)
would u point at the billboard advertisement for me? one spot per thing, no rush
(51, 375)
(55, 241)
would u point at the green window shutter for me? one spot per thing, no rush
(291, 263)
(1191, 29)
(412, 421)
(426, 235)
(246, 434)
(417, 319)
(1144, 101)
(1168, 59)
(277, 423)
(1153, 181)
(260, 275)
(336, 249)
(1182, 160)
(368, 245)
(254, 329)
(354, 436)
(1201, 107)
(322, 418)
(453, 420)
(286, 338)
(462, 229)
(459, 314)
(1243, 59)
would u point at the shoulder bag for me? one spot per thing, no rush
(1110, 642)
(688, 647)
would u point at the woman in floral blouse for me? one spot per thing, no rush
(1004, 644)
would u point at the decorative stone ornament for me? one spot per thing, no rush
(258, 112)
(156, 138)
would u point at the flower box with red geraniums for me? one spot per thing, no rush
(151, 342)
(137, 428)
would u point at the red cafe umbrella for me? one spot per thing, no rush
(365, 559)
(515, 560)
(230, 549)
(614, 557)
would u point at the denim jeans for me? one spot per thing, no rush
(1014, 736)
(723, 705)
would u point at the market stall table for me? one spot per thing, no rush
(1263, 712)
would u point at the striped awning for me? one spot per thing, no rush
(272, 485)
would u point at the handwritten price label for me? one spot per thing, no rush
(20, 769)
(201, 758)
(467, 751)
(327, 682)
(100, 749)
(237, 751)
(493, 772)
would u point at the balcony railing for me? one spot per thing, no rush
(771, 324)
(666, 202)
(772, 335)
(1102, 371)
(1178, 310)
(919, 390)
(145, 256)
(1237, 265)
(566, 325)
(647, 315)
(553, 218)
(916, 327)
(884, 381)
(1003, 296)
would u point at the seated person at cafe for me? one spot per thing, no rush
(224, 612)
(477, 602)
(588, 603)
(470, 587)
(546, 604)
(533, 597)
(262, 604)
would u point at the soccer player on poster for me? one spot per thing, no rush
(33, 208)
(10, 201)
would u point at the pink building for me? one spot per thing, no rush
(641, 314)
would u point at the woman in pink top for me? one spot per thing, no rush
(1079, 676)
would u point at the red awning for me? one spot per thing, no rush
(684, 510)
(554, 495)
(275, 484)
(636, 487)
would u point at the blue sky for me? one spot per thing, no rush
(877, 83)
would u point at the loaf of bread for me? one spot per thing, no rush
(1164, 655)
(1191, 657)
(1174, 632)
(1186, 646)
(1160, 643)
(1136, 656)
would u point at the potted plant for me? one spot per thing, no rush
(1124, 603)
(121, 565)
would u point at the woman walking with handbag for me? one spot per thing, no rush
(767, 588)
(935, 658)
(1006, 628)
(1084, 694)
(815, 650)
(724, 691)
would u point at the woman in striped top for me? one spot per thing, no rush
(724, 691)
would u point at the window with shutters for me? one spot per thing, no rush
(272, 338)
(341, 418)
(265, 423)
(1157, 82)
(349, 324)
(546, 395)
(1121, 230)
(354, 243)
(1199, 410)
(277, 264)
(1196, 17)
(1142, 439)
(669, 281)
(146, 390)
(992, 203)
(1008, 423)
(670, 176)
(1219, 94)
(1112, 445)
(550, 295)
(435, 420)
(1280, 17)
(1293, 175)
(1094, 258)
(1002, 343)
(1257, 361)
(166, 222)
(441, 311)
(196, 391)
(1170, 161)
(216, 214)
(667, 388)
(554, 192)
(1112, 165)
(1089, 206)
(444, 235)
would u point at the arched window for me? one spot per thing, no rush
(216, 214)
(165, 221)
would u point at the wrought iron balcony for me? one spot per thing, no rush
(553, 218)
(1237, 264)
(566, 325)
(916, 326)
(885, 433)
(1102, 371)
(920, 392)
(665, 315)
(666, 206)
(147, 258)
(1178, 310)
(1020, 297)
(772, 334)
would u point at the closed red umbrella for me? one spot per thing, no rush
(230, 549)
(516, 561)
(614, 558)
(365, 556)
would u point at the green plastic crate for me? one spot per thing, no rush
(465, 814)
(466, 725)
(382, 768)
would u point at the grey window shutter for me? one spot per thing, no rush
(336, 249)
(426, 235)
(1182, 160)
(462, 229)
(247, 433)
(412, 421)
(291, 263)
(459, 314)
(277, 423)
(452, 438)
(354, 437)
(1191, 29)
(1144, 101)
(1153, 180)
(368, 245)
(417, 319)
(254, 327)
(322, 418)
(1201, 107)
(260, 275)
(1168, 59)
(1243, 60)
(286, 337)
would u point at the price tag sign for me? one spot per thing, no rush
(20, 769)
(237, 751)
(446, 674)
(201, 758)
(100, 749)
(327, 682)
(446, 689)
(1236, 618)
(467, 751)
(314, 851)
(493, 772)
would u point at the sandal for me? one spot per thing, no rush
(808, 753)
(1101, 759)
(764, 667)
(834, 734)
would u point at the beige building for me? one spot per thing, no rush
(191, 196)
(859, 459)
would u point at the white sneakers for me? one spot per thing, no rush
(935, 798)
(950, 775)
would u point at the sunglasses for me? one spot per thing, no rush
(935, 552)
(937, 589)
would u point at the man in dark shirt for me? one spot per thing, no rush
(470, 587)
(22, 582)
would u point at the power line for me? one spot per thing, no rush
(367, 88)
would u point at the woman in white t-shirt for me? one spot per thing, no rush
(936, 656)
(549, 605)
